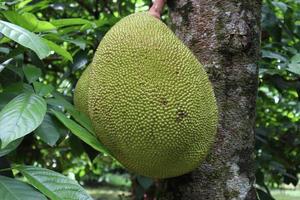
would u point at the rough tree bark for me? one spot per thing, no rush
(225, 36)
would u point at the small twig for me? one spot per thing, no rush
(157, 8)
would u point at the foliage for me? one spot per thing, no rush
(277, 124)
(44, 47)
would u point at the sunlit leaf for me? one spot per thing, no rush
(21, 116)
(25, 38)
(12, 189)
(54, 185)
(70, 22)
(28, 21)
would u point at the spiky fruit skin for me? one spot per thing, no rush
(150, 100)
(81, 92)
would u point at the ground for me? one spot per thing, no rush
(114, 193)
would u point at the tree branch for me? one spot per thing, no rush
(157, 8)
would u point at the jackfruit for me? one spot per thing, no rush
(149, 99)
(81, 92)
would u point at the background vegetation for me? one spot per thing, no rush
(44, 47)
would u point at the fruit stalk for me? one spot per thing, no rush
(157, 8)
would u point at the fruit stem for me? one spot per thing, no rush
(157, 8)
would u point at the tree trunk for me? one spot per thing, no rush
(225, 36)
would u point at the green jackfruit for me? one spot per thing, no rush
(149, 99)
(81, 92)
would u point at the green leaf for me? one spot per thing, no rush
(37, 6)
(280, 5)
(15, 88)
(25, 38)
(12, 189)
(59, 101)
(70, 22)
(80, 60)
(27, 88)
(10, 147)
(28, 21)
(17, 52)
(48, 131)
(54, 185)
(295, 58)
(69, 29)
(294, 67)
(4, 50)
(6, 97)
(59, 50)
(4, 64)
(43, 89)
(23, 3)
(21, 116)
(82, 119)
(32, 73)
(273, 55)
(4, 40)
(11, 91)
(80, 132)
(78, 42)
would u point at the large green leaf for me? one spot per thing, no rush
(21, 116)
(59, 101)
(10, 92)
(28, 21)
(25, 38)
(48, 131)
(32, 73)
(10, 147)
(43, 89)
(81, 132)
(12, 189)
(273, 55)
(82, 119)
(37, 6)
(59, 50)
(54, 185)
(70, 22)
